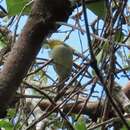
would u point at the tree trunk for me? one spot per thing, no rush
(40, 24)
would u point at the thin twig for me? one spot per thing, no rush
(95, 67)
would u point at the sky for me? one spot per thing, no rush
(73, 40)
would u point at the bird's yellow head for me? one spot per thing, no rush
(53, 43)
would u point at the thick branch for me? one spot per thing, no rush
(92, 109)
(40, 23)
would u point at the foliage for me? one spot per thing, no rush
(38, 94)
(94, 7)
(15, 7)
(80, 125)
(124, 128)
(6, 124)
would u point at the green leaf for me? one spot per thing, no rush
(6, 125)
(2, 44)
(98, 8)
(80, 125)
(14, 7)
(119, 36)
(128, 56)
(99, 56)
(124, 128)
(3, 41)
(11, 112)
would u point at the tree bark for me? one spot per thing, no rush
(40, 24)
(92, 109)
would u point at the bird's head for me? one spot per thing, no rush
(53, 43)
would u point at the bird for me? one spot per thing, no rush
(62, 56)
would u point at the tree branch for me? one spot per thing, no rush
(92, 109)
(40, 24)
